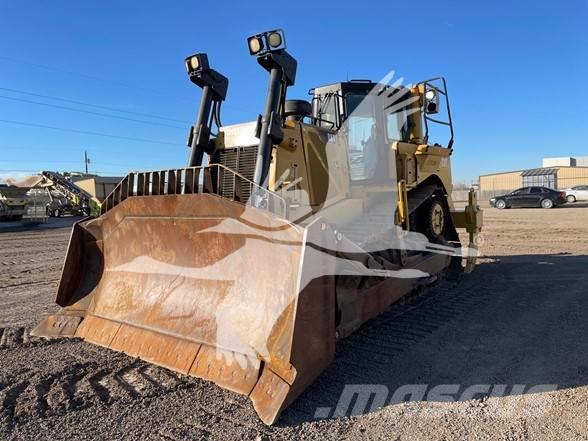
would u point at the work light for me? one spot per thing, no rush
(274, 39)
(265, 42)
(196, 63)
(432, 101)
(255, 45)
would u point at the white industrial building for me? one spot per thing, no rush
(566, 161)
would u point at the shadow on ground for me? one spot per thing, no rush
(575, 205)
(517, 320)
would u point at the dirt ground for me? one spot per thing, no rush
(520, 319)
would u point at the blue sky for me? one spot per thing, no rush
(516, 70)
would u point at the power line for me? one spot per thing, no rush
(52, 161)
(84, 132)
(92, 77)
(40, 161)
(19, 171)
(108, 81)
(121, 165)
(93, 149)
(120, 171)
(82, 103)
(69, 147)
(88, 112)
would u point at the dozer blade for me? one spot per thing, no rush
(207, 287)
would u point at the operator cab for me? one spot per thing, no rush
(334, 104)
(405, 114)
(372, 116)
(357, 111)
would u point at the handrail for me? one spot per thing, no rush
(187, 181)
(427, 85)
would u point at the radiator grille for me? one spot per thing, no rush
(241, 160)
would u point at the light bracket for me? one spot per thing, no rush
(202, 75)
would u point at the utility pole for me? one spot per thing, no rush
(86, 160)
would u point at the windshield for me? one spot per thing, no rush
(396, 122)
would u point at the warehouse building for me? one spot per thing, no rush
(556, 173)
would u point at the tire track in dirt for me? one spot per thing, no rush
(39, 394)
(99, 379)
(11, 337)
(30, 283)
(372, 348)
(46, 258)
(36, 235)
(9, 398)
(23, 251)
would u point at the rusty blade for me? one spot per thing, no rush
(59, 325)
(206, 287)
(173, 266)
(163, 350)
(229, 369)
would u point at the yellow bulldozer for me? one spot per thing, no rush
(280, 237)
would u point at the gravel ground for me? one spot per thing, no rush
(520, 319)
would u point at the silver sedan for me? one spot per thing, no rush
(577, 193)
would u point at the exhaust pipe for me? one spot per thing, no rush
(214, 91)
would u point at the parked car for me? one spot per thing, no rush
(577, 193)
(530, 197)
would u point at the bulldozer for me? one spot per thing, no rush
(280, 237)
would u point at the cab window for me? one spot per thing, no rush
(397, 126)
(361, 136)
(328, 111)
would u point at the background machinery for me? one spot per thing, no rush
(12, 202)
(65, 197)
(281, 236)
